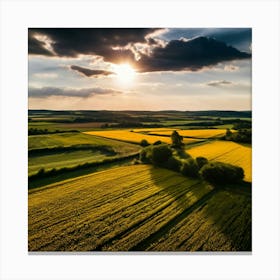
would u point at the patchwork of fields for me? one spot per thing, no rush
(137, 207)
(228, 152)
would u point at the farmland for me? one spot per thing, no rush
(196, 133)
(89, 190)
(228, 152)
(70, 149)
(148, 209)
(134, 137)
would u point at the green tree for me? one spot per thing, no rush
(228, 134)
(219, 173)
(160, 154)
(144, 143)
(177, 140)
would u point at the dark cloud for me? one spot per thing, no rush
(192, 55)
(239, 38)
(119, 45)
(219, 83)
(72, 42)
(37, 47)
(91, 72)
(69, 92)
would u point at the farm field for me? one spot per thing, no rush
(73, 138)
(43, 151)
(134, 137)
(63, 159)
(139, 139)
(228, 152)
(197, 133)
(147, 209)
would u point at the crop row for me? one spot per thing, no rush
(90, 212)
(221, 224)
(137, 208)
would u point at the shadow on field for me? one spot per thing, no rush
(231, 213)
(227, 209)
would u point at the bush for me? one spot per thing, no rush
(218, 173)
(160, 154)
(157, 155)
(189, 168)
(145, 155)
(135, 161)
(177, 140)
(41, 172)
(181, 153)
(157, 143)
(144, 143)
(201, 161)
(173, 164)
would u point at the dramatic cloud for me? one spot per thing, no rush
(137, 46)
(239, 38)
(72, 42)
(69, 92)
(190, 55)
(36, 46)
(90, 72)
(219, 83)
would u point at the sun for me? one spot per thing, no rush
(125, 73)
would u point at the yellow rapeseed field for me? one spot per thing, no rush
(89, 212)
(228, 152)
(156, 129)
(198, 133)
(133, 137)
(137, 207)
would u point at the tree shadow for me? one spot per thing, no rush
(227, 217)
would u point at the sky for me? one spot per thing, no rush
(139, 68)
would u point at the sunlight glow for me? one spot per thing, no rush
(125, 73)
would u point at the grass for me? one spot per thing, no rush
(63, 159)
(133, 208)
(228, 152)
(134, 136)
(58, 159)
(44, 125)
(225, 126)
(76, 172)
(73, 138)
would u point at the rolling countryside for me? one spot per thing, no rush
(139, 139)
(130, 206)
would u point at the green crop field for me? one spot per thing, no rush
(63, 159)
(137, 207)
(73, 138)
(49, 158)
